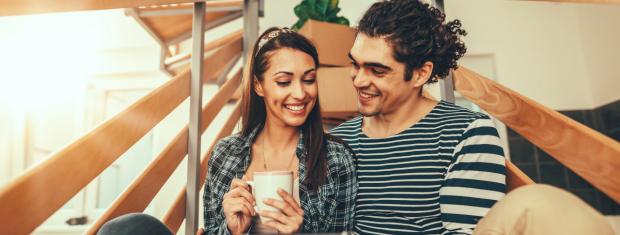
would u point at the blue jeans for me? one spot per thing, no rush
(135, 223)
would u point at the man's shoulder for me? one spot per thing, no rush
(448, 112)
(347, 128)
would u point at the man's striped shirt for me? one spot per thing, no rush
(441, 175)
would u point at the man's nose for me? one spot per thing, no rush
(361, 80)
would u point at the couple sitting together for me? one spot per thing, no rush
(407, 165)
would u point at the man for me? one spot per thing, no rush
(423, 166)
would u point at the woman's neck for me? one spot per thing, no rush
(279, 137)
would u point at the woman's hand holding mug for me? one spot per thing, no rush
(290, 216)
(238, 205)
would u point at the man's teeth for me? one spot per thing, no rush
(295, 107)
(366, 95)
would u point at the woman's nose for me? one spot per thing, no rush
(298, 91)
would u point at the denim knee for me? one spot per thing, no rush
(135, 223)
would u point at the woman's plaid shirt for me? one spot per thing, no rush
(329, 209)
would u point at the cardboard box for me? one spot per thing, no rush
(337, 96)
(333, 41)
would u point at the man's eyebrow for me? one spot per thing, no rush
(378, 65)
(371, 64)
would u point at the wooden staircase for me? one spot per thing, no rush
(590, 154)
(171, 24)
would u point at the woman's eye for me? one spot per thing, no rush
(310, 81)
(283, 83)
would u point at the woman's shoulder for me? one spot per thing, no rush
(338, 152)
(227, 146)
(230, 140)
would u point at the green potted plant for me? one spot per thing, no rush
(331, 34)
(320, 10)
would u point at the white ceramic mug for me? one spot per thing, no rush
(265, 185)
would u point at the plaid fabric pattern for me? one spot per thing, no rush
(329, 209)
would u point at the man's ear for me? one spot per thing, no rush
(258, 87)
(423, 74)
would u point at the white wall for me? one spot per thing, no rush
(600, 38)
(6, 146)
(537, 47)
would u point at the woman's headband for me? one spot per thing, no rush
(271, 35)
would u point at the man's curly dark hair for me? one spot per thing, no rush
(417, 34)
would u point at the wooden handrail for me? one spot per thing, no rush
(144, 188)
(210, 46)
(22, 7)
(213, 67)
(216, 62)
(590, 154)
(65, 173)
(515, 177)
(173, 29)
(176, 214)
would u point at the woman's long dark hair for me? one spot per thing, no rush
(253, 111)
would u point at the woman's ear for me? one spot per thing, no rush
(258, 88)
(422, 74)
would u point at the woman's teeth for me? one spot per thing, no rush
(295, 107)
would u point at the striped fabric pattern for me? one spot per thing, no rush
(440, 176)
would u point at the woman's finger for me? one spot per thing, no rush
(246, 194)
(239, 183)
(239, 208)
(284, 207)
(280, 227)
(236, 205)
(275, 215)
(240, 192)
(291, 201)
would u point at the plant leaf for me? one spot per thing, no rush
(342, 20)
(323, 7)
(333, 9)
(334, 12)
(333, 4)
(311, 4)
(302, 11)
(297, 26)
(321, 10)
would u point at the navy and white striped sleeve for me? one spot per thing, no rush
(475, 180)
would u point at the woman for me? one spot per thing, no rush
(281, 130)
